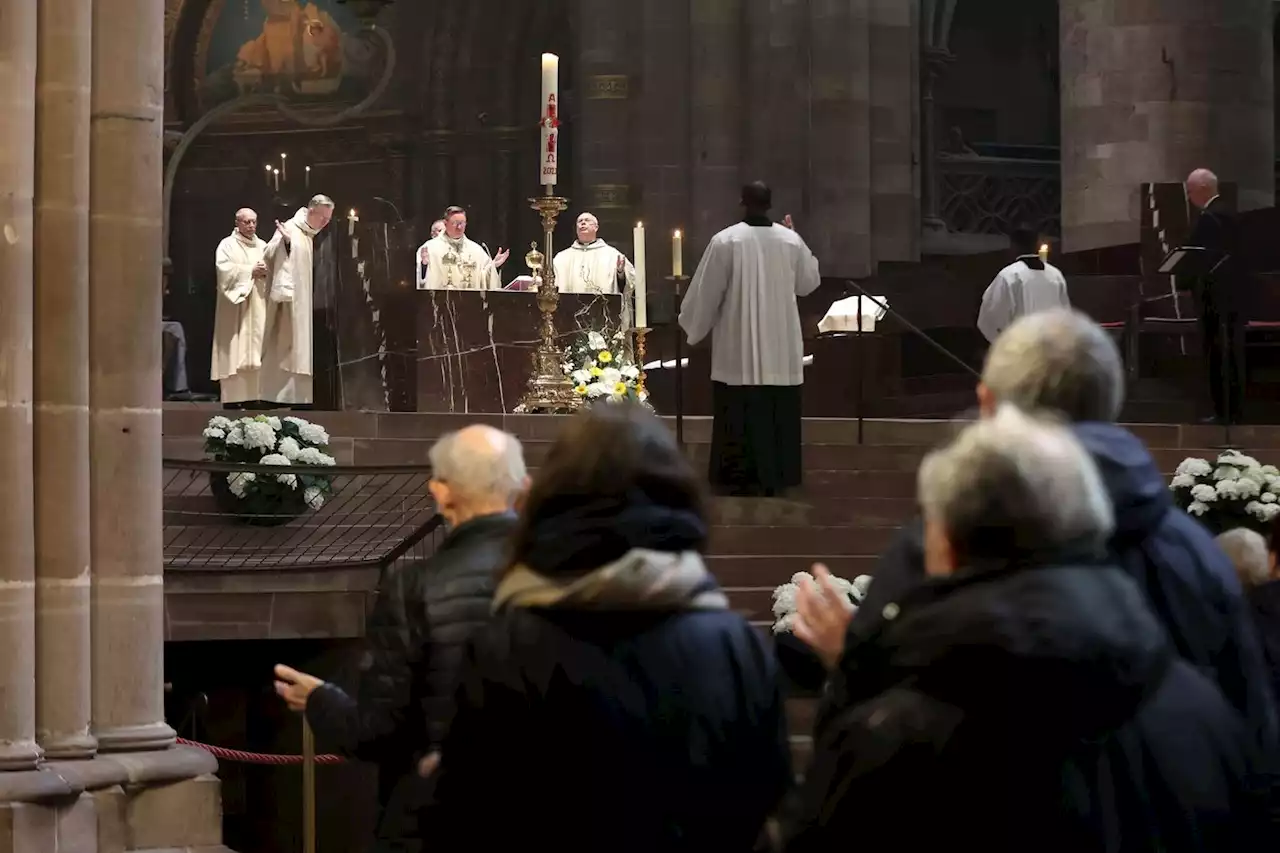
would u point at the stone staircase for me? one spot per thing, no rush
(854, 498)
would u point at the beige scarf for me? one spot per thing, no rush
(640, 580)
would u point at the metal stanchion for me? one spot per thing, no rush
(308, 788)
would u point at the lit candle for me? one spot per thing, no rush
(1044, 252)
(268, 168)
(276, 174)
(352, 219)
(642, 308)
(284, 165)
(550, 119)
(677, 255)
(308, 170)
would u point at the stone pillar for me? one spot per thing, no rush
(935, 37)
(603, 127)
(126, 153)
(64, 74)
(18, 750)
(1151, 91)
(840, 138)
(664, 120)
(717, 118)
(895, 118)
(777, 104)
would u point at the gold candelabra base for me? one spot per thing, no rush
(642, 390)
(549, 390)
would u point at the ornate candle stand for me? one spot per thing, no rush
(642, 390)
(550, 391)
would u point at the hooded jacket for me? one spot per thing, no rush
(1031, 707)
(1188, 581)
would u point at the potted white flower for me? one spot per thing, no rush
(601, 370)
(1234, 490)
(804, 671)
(297, 446)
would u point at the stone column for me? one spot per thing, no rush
(664, 120)
(935, 37)
(895, 91)
(777, 104)
(840, 137)
(126, 153)
(717, 118)
(1151, 91)
(62, 379)
(18, 750)
(603, 127)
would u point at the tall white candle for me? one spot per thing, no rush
(268, 168)
(642, 307)
(308, 177)
(677, 255)
(351, 223)
(284, 165)
(275, 173)
(549, 167)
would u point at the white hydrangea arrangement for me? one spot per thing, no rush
(601, 370)
(1235, 490)
(294, 444)
(784, 597)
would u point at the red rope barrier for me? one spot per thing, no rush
(238, 756)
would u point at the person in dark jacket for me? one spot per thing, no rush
(1264, 600)
(1063, 362)
(617, 702)
(424, 613)
(1026, 697)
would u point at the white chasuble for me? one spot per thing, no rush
(240, 317)
(591, 268)
(744, 295)
(286, 357)
(457, 265)
(1026, 286)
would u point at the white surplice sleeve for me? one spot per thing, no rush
(280, 266)
(700, 310)
(235, 278)
(808, 276)
(1064, 297)
(997, 309)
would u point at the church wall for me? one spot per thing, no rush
(819, 99)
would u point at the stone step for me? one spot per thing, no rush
(770, 571)
(817, 542)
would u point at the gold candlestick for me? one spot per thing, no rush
(642, 391)
(550, 391)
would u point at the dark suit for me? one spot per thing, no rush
(1220, 298)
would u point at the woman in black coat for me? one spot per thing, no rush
(616, 703)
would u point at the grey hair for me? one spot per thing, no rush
(480, 462)
(1059, 360)
(320, 201)
(1248, 552)
(1015, 484)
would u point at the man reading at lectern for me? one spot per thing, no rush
(1218, 297)
(455, 262)
(744, 296)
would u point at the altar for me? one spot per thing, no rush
(475, 348)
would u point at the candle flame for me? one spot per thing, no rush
(276, 171)
(353, 213)
(1044, 247)
(267, 167)
(308, 168)
(283, 155)
(677, 233)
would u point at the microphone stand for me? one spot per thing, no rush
(911, 327)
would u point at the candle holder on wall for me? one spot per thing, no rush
(549, 391)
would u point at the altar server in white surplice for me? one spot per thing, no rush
(1028, 285)
(591, 265)
(455, 262)
(286, 360)
(744, 295)
(240, 315)
(437, 228)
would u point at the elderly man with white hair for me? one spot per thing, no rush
(1060, 361)
(424, 615)
(1027, 698)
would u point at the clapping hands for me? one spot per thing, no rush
(823, 614)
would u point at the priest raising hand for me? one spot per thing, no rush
(501, 258)
(591, 265)
(284, 235)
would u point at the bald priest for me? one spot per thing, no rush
(591, 265)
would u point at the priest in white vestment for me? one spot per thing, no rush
(453, 261)
(240, 315)
(591, 265)
(744, 295)
(1028, 285)
(287, 356)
